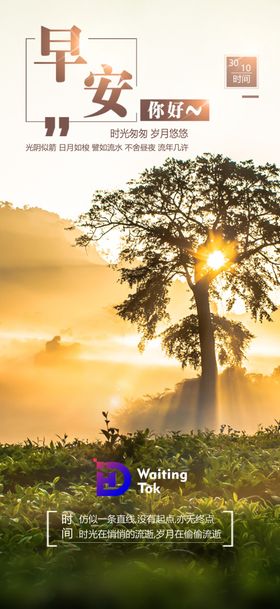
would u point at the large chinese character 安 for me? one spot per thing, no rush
(108, 102)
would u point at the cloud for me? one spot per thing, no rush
(46, 283)
(55, 351)
(34, 238)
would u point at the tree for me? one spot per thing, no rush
(212, 221)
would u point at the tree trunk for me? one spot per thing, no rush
(207, 398)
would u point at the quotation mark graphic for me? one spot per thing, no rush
(50, 125)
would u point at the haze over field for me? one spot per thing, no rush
(65, 355)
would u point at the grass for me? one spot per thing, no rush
(227, 471)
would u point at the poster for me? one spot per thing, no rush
(139, 336)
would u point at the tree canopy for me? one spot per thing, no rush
(169, 220)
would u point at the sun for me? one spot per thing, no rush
(215, 255)
(216, 260)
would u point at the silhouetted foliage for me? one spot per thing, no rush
(170, 220)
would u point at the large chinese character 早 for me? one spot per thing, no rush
(111, 102)
(72, 42)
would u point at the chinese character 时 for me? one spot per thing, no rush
(66, 518)
(115, 133)
(60, 46)
(236, 79)
(108, 102)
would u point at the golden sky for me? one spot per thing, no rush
(49, 288)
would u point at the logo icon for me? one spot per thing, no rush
(108, 477)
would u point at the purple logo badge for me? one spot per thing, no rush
(106, 478)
